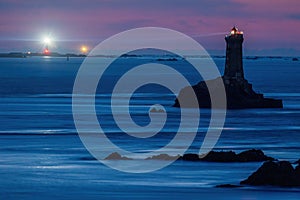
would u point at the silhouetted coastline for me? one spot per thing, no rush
(25, 55)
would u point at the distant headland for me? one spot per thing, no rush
(170, 58)
(29, 54)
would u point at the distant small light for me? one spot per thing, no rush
(29, 52)
(46, 51)
(84, 49)
(232, 32)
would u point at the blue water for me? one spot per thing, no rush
(41, 155)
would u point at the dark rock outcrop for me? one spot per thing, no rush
(252, 155)
(222, 156)
(297, 171)
(163, 157)
(116, 156)
(190, 157)
(167, 59)
(239, 94)
(88, 158)
(297, 162)
(275, 174)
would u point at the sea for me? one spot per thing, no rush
(43, 157)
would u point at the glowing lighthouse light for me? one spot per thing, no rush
(47, 41)
(46, 51)
(84, 49)
(235, 31)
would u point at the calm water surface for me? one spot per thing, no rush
(41, 155)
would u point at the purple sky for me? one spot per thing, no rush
(270, 26)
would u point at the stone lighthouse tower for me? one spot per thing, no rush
(234, 55)
(239, 92)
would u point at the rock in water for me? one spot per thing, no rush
(223, 156)
(276, 174)
(190, 157)
(163, 157)
(253, 155)
(239, 95)
(116, 156)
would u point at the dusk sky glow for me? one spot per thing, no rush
(270, 26)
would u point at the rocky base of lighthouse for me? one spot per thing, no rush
(240, 95)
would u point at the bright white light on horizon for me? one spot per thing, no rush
(47, 40)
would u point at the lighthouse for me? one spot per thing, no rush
(47, 43)
(239, 92)
(234, 55)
